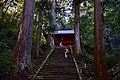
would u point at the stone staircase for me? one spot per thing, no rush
(57, 67)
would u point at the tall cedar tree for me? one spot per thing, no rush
(53, 14)
(100, 70)
(22, 55)
(76, 5)
(53, 7)
(41, 14)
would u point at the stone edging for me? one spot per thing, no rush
(42, 64)
(78, 72)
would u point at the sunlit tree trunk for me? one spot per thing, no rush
(22, 55)
(77, 26)
(41, 14)
(100, 68)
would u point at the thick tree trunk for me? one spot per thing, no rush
(22, 56)
(77, 27)
(100, 70)
(53, 14)
(49, 38)
(41, 14)
(53, 7)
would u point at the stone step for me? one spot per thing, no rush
(58, 68)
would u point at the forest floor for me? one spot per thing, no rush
(36, 61)
(86, 69)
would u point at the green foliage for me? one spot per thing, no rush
(43, 41)
(111, 60)
(5, 61)
(87, 56)
(9, 22)
(51, 27)
(87, 28)
(112, 25)
(7, 39)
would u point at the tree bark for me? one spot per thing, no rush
(41, 14)
(22, 55)
(49, 38)
(53, 7)
(100, 68)
(53, 14)
(77, 27)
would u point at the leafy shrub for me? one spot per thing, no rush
(5, 61)
(43, 41)
(111, 60)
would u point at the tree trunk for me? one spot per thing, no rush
(22, 55)
(77, 27)
(100, 69)
(53, 14)
(41, 14)
(49, 38)
(53, 7)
